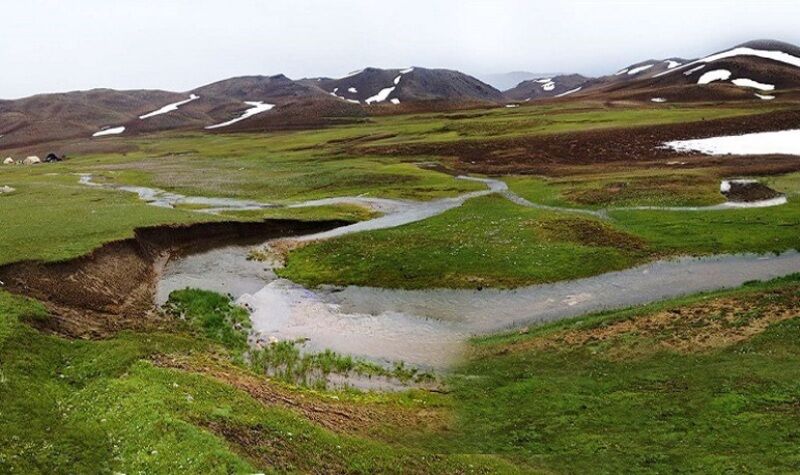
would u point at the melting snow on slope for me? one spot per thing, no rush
(743, 82)
(257, 108)
(715, 75)
(786, 142)
(640, 69)
(694, 70)
(336, 89)
(110, 131)
(170, 107)
(383, 94)
(569, 92)
(549, 86)
(779, 56)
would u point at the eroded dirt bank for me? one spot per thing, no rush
(113, 287)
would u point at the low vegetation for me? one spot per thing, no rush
(702, 384)
(216, 318)
(491, 242)
(75, 406)
(488, 242)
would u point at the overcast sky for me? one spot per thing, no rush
(61, 45)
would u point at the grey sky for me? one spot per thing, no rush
(60, 45)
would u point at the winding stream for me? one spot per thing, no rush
(429, 328)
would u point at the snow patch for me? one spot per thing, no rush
(336, 89)
(384, 93)
(353, 90)
(109, 131)
(715, 75)
(640, 69)
(569, 92)
(778, 56)
(549, 86)
(169, 107)
(621, 72)
(544, 81)
(786, 142)
(394, 100)
(511, 106)
(672, 64)
(725, 186)
(659, 100)
(257, 107)
(764, 97)
(381, 96)
(744, 82)
(694, 70)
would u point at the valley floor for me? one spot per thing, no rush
(702, 383)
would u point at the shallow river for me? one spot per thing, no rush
(429, 327)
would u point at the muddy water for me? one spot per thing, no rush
(429, 327)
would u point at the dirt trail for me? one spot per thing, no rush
(113, 287)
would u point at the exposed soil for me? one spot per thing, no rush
(618, 148)
(644, 188)
(113, 287)
(589, 233)
(749, 192)
(334, 415)
(704, 326)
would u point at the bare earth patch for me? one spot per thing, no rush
(704, 326)
(339, 416)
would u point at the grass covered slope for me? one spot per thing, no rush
(174, 403)
(703, 384)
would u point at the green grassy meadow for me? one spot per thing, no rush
(705, 383)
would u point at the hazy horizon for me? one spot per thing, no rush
(52, 46)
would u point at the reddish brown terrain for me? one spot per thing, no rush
(619, 148)
(320, 102)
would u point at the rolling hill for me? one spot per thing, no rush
(757, 70)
